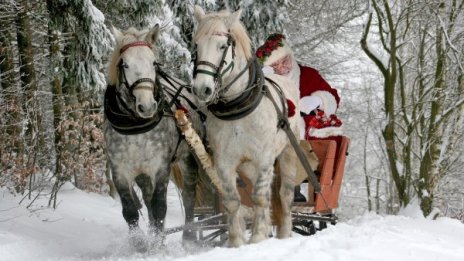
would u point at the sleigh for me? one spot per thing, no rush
(210, 224)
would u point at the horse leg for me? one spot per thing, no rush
(287, 163)
(130, 206)
(189, 169)
(159, 205)
(261, 201)
(130, 211)
(145, 184)
(231, 201)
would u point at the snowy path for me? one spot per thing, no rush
(90, 227)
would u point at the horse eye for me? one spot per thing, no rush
(223, 47)
(125, 65)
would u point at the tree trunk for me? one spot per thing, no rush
(55, 72)
(26, 63)
(9, 87)
(430, 165)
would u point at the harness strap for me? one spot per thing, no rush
(133, 44)
(247, 102)
(227, 87)
(175, 99)
(179, 140)
(285, 125)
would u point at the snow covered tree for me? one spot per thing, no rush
(423, 104)
(183, 13)
(8, 76)
(126, 13)
(261, 17)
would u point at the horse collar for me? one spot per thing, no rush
(124, 122)
(247, 102)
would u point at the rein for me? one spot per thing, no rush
(285, 125)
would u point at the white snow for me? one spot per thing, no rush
(90, 227)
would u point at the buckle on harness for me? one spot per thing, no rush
(283, 124)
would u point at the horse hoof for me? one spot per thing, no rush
(138, 241)
(236, 242)
(257, 238)
(283, 235)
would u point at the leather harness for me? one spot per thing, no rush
(249, 100)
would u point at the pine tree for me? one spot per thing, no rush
(175, 58)
(261, 17)
(8, 76)
(127, 13)
(183, 11)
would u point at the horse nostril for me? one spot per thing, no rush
(140, 108)
(207, 91)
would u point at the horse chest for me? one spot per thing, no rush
(255, 133)
(145, 152)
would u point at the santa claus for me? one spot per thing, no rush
(318, 100)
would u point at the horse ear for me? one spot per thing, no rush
(234, 17)
(198, 12)
(117, 34)
(153, 34)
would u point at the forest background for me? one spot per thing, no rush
(398, 66)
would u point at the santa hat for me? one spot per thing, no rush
(274, 48)
(277, 54)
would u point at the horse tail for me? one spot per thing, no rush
(276, 204)
(201, 188)
(177, 177)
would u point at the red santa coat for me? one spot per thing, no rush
(311, 81)
(324, 123)
(275, 53)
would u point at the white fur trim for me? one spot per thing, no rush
(329, 103)
(278, 54)
(302, 127)
(310, 103)
(325, 132)
(268, 70)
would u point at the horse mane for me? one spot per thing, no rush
(129, 36)
(209, 23)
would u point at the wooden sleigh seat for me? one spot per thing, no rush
(331, 170)
(330, 173)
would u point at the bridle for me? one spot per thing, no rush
(157, 92)
(218, 70)
(120, 116)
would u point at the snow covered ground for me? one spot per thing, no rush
(90, 227)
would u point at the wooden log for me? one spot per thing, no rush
(195, 142)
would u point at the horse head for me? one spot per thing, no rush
(133, 71)
(222, 47)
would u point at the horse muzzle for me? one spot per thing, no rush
(145, 104)
(203, 92)
(146, 110)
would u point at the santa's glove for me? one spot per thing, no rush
(309, 104)
(268, 69)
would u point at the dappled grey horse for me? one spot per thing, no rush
(141, 135)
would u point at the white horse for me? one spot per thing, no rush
(142, 139)
(243, 125)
